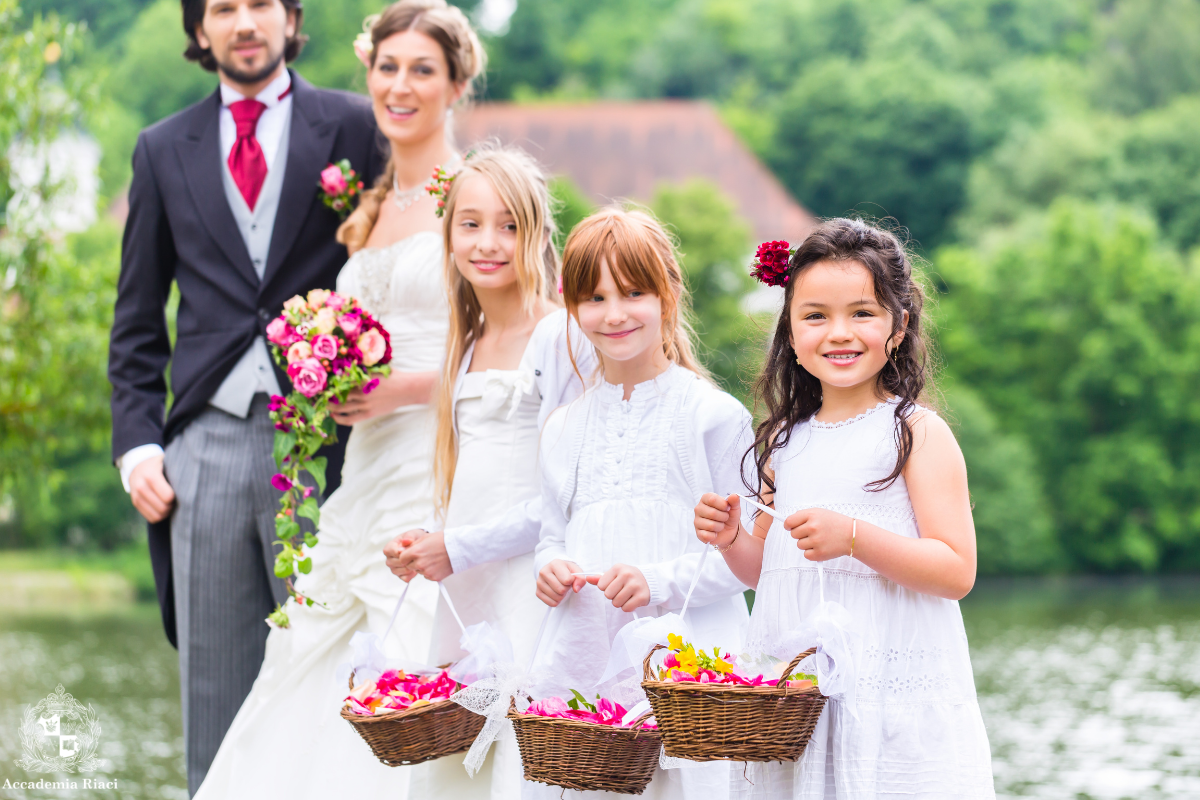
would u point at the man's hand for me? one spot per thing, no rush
(555, 580)
(152, 496)
(625, 585)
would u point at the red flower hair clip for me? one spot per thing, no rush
(441, 182)
(771, 263)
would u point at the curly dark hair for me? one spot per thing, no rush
(792, 394)
(193, 15)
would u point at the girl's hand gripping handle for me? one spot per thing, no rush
(556, 579)
(718, 519)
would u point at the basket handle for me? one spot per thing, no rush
(787, 673)
(352, 680)
(647, 675)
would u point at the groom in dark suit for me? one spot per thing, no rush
(224, 202)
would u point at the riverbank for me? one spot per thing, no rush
(53, 580)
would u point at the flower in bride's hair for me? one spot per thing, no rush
(324, 346)
(373, 346)
(771, 263)
(308, 376)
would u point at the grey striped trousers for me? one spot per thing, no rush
(221, 532)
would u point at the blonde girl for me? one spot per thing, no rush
(507, 367)
(623, 466)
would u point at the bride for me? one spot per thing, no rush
(288, 739)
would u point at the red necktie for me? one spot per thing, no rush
(247, 163)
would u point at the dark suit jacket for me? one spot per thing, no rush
(180, 228)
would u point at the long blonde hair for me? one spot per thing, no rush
(466, 59)
(641, 255)
(522, 186)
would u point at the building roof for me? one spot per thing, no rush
(624, 149)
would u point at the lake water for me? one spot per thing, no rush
(1090, 689)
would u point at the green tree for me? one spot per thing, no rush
(1013, 527)
(55, 307)
(886, 138)
(570, 206)
(714, 243)
(1083, 333)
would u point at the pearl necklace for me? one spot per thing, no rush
(404, 200)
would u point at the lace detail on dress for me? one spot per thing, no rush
(825, 425)
(375, 269)
(913, 674)
(859, 510)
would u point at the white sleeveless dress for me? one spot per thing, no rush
(288, 739)
(919, 734)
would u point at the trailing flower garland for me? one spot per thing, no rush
(329, 346)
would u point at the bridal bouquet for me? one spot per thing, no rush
(329, 346)
(685, 663)
(602, 712)
(395, 690)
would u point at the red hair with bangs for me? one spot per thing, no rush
(641, 256)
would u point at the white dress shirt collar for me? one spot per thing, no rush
(269, 96)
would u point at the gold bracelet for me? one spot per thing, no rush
(732, 541)
(853, 533)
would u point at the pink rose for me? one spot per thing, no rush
(351, 325)
(317, 298)
(280, 333)
(549, 707)
(335, 301)
(333, 182)
(324, 346)
(372, 346)
(325, 321)
(308, 376)
(298, 352)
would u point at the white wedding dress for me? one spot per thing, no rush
(288, 739)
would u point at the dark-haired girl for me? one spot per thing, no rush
(873, 486)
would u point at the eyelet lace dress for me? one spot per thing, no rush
(919, 733)
(288, 739)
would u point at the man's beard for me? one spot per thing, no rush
(248, 78)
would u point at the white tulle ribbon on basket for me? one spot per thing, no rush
(367, 661)
(829, 628)
(492, 697)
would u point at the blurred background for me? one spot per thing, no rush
(1042, 155)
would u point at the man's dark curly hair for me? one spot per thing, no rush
(193, 15)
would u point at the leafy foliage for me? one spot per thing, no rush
(1083, 333)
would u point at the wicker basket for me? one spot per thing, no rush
(722, 722)
(586, 755)
(417, 734)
